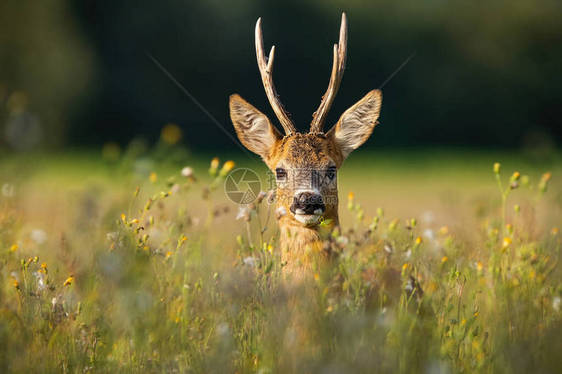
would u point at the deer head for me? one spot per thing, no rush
(305, 164)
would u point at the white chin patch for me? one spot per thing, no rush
(308, 219)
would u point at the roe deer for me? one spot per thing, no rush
(304, 164)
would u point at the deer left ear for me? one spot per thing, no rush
(357, 123)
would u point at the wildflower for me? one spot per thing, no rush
(556, 303)
(271, 196)
(388, 248)
(169, 254)
(351, 196)
(214, 166)
(329, 309)
(444, 259)
(228, 166)
(444, 230)
(243, 213)
(554, 231)
(419, 240)
(250, 261)
(280, 212)
(187, 172)
(171, 133)
(69, 280)
(497, 167)
(269, 248)
(123, 218)
(509, 228)
(506, 242)
(153, 177)
(135, 221)
(479, 266)
(316, 276)
(14, 248)
(543, 184)
(380, 212)
(38, 236)
(516, 208)
(515, 176)
(16, 284)
(428, 233)
(392, 225)
(260, 197)
(405, 266)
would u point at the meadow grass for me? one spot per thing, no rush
(444, 262)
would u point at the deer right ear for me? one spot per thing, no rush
(253, 127)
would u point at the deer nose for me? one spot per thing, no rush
(308, 203)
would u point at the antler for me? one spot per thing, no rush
(266, 72)
(338, 66)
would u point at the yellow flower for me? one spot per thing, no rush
(444, 230)
(44, 265)
(14, 248)
(171, 133)
(123, 218)
(405, 266)
(444, 259)
(16, 284)
(135, 221)
(506, 242)
(153, 177)
(418, 240)
(479, 266)
(69, 280)
(350, 196)
(554, 231)
(316, 276)
(228, 166)
(497, 167)
(169, 254)
(515, 176)
(214, 166)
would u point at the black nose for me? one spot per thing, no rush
(307, 203)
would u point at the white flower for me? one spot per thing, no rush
(280, 212)
(40, 280)
(38, 236)
(8, 190)
(556, 303)
(250, 261)
(187, 172)
(429, 234)
(243, 213)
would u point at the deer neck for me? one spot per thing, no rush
(302, 245)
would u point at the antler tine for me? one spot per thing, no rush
(266, 72)
(338, 66)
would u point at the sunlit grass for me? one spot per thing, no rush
(128, 264)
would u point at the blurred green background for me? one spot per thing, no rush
(76, 73)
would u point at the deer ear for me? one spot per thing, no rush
(357, 123)
(253, 127)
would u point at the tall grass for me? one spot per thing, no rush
(162, 278)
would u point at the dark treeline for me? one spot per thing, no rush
(484, 74)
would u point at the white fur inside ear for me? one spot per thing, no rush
(252, 126)
(357, 123)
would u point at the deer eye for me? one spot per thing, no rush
(331, 172)
(280, 173)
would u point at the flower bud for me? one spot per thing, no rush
(497, 167)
